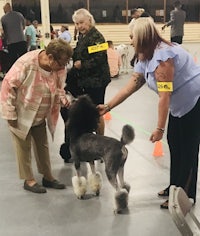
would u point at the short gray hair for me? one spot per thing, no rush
(82, 12)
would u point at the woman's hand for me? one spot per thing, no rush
(65, 102)
(156, 135)
(102, 109)
(12, 123)
(77, 64)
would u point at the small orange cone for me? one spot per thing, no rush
(158, 150)
(107, 116)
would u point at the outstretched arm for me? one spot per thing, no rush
(164, 73)
(171, 21)
(136, 82)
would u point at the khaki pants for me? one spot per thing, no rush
(37, 137)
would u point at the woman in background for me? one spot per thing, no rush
(90, 72)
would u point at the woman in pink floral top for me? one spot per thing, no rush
(31, 95)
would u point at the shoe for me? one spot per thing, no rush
(52, 184)
(164, 205)
(36, 188)
(164, 193)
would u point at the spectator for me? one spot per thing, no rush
(53, 33)
(114, 60)
(177, 20)
(90, 72)
(38, 33)
(4, 60)
(13, 24)
(30, 34)
(162, 63)
(65, 34)
(31, 95)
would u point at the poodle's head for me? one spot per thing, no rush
(83, 116)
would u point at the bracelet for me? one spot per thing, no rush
(161, 129)
(107, 107)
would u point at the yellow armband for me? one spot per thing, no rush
(98, 48)
(165, 86)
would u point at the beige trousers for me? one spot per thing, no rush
(36, 139)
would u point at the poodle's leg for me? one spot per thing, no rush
(79, 182)
(121, 179)
(112, 177)
(121, 201)
(121, 195)
(77, 165)
(120, 172)
(101, 129)
(94, 179)
(92, 166)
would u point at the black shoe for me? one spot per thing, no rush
(52, 184)
(36, 188)
(164, 193)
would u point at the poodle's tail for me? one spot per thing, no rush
(128, 134)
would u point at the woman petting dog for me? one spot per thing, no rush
(31, 94)
(90, 72)
(171, 72)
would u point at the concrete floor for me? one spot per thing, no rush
(60, 213)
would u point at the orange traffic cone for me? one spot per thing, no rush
(158, 150)
(107, 116)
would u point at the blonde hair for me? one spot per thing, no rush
(82, 12)
(59, 49)
(146, 37)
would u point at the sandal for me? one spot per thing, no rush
(164, 205)
(164, 193)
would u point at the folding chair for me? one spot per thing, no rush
(180, 207)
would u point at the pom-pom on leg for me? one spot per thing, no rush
(127, 187)
(79, 186)
(95, 182)
(121, 201)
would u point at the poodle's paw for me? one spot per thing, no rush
(95, 182)
(121, 201)
(79, 186)
(127, 187)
